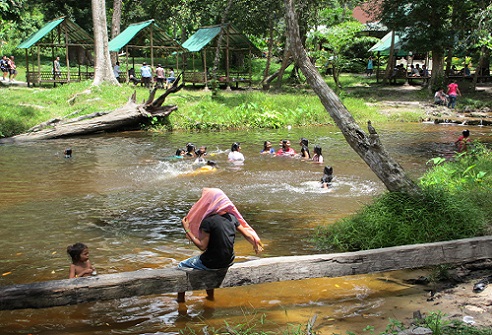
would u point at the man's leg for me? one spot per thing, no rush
(181, 297)
(210, 294)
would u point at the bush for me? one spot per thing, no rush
(454, 203)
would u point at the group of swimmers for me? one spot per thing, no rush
(286, 151)
(236, 157)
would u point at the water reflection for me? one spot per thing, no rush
(122, 195)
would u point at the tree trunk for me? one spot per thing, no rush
(264, 270)
(269, 57)
(478, 70)
(368, 147)
(391, 60)
(286, 61)
(437, 73)
(129, 117)
(103, 71)
(217, 51)
(115, 25)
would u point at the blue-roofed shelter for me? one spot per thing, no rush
(383, 47)
(144, 35)
(236, 47)
(59, 34)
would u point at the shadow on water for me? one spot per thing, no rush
(124, 196)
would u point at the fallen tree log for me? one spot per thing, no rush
(266, 270)
(129, 117)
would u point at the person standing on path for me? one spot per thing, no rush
(116, 71)
(56, 67)
(12, 69)
(370, 67)
(146, 73)
(453, 92)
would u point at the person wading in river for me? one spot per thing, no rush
(211, 225)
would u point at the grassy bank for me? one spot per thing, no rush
(455, 203)
(26, 107)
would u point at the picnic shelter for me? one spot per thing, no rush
(144, 35)
(60, 36)
(236, 50)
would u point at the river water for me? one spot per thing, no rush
(122, 196)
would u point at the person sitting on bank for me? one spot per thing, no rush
(440, 98)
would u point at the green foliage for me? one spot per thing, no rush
(455, 202)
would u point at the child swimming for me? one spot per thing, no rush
(81, 265)
(318, 156)
(180, 153)
(327, 177)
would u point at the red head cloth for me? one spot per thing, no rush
(215, 201)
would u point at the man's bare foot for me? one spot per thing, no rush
(210, 295)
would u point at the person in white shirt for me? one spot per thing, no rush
(235, 156)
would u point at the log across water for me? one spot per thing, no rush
(266, 270)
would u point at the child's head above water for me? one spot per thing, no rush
(304, 141)
(180, 152)
(75, 251)
(317, 149)
(190, 147)
(235, 146)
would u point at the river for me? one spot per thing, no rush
(122, 196)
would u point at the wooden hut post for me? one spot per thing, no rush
(27, 68)
(39, 63)
(377, 66)
(126, 61)
(67, 58)
(205, 70)
(227, 59)
(250, 70)
(152, 46)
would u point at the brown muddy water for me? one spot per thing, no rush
(122, 196)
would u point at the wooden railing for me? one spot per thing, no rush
(235, 77)
(62, 77)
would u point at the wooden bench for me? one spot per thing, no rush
(235, 78)
(425, 80)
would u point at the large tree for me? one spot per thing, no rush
(430, 25)
(367, 146)
(103, 70)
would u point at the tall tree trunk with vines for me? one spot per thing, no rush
(103, 70)
(217, 51)
(367, 146)
(115, 25)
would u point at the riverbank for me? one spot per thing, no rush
(457, 298)
(237, 109)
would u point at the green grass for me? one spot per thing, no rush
(455, 203)
(27, 107)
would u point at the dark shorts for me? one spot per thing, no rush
(13, 71)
